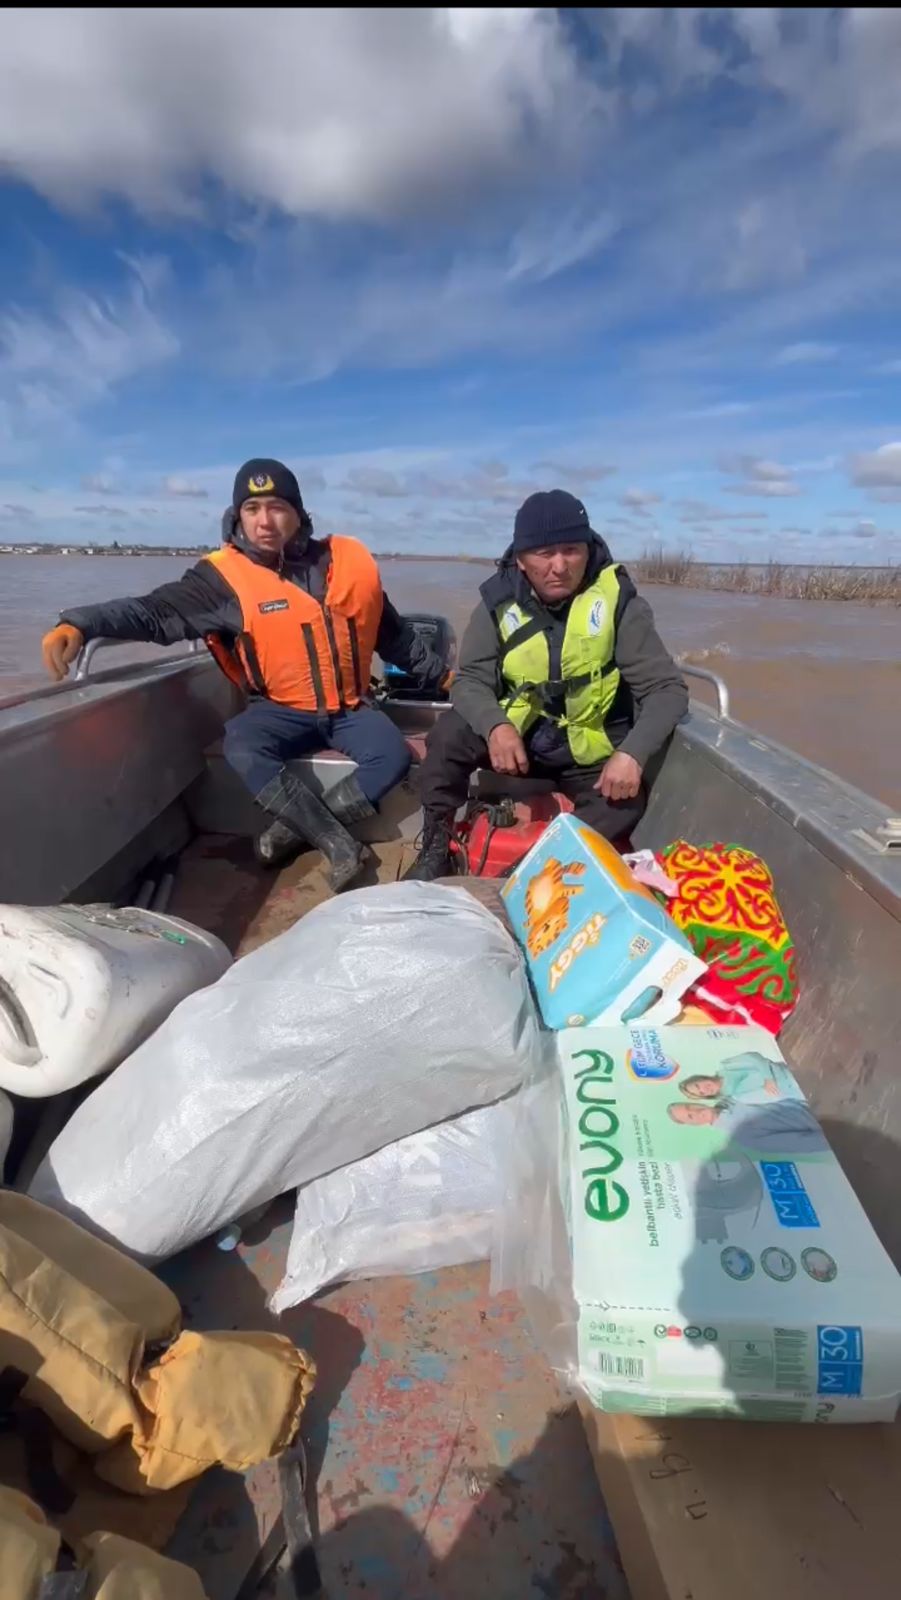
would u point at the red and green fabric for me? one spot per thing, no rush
(726, 906)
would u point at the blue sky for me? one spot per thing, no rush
(436, 259)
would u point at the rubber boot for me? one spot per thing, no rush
(295, 806)
(276, 845)
(434, 859)
(345, 800)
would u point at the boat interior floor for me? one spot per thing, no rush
(446, 1461)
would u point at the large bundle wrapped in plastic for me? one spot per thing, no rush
(424, 1202)
(378, 1014)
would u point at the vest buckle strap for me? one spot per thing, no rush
(554, 688)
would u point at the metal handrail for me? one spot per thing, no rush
(719, 684)
(86, 656)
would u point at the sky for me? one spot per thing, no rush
(436, 259)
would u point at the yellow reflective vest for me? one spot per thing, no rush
(590, 677)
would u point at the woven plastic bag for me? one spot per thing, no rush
(424, 1202)
(379, 1013)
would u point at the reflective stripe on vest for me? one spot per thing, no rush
(292, 649)
(589, 680)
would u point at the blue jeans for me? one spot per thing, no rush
(261, 739)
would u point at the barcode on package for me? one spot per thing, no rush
(631, 1368)
(791, 1359)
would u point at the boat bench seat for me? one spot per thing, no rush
(219, 803)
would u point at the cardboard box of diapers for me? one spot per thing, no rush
(722, 1264)
(598, 946)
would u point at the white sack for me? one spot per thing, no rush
(6, 1128)
(424, 1202)
(379, 1013)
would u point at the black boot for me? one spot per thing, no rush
(345, 800)
(434, 859)
(297, 809)
(276, 845)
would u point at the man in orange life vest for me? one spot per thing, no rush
(294, 621)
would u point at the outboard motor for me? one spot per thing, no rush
(440, 637)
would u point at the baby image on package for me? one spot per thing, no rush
(599, 947)
(722, 1264)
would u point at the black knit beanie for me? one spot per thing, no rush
(262, 476)
(550, 517)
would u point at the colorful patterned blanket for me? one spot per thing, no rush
(726, 906)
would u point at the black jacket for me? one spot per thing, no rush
(651, 698)
(202, 602)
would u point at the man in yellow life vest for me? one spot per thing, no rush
(561, 675)
(294, 621)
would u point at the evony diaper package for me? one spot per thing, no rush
(721, 1260)
(686, 1242)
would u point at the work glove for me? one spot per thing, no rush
(59, 648)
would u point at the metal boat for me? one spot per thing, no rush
(448, 1463)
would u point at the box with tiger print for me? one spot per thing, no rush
(599, 947)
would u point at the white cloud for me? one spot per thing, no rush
(340, 113)
(479, 486)
(99, 483)
(841, 67)
(183, 488)
(56, 362)
(391, 305)
(690, 511)
(757, 476)
(672, 37)
(374, 481)
(721, 409)
(541, 250)
(575, 472)
(804, 354)
(889, 368)
(878, 469)
(640, 500)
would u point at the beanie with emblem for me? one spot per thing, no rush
(261, 477)
(550, 517)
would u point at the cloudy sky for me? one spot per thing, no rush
(437, 258)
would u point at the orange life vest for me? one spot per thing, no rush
(293, 649)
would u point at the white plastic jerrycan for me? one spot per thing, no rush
(83, 986)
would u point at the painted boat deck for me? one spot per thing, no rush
(447, 1462)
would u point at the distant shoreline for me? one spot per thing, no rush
(652, 568)
(677, 569)
(197, 550)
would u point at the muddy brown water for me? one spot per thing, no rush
(823, 677)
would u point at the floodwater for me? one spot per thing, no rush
(823, 677)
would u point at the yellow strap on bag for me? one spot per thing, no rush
(76, 1317)
(213, 1398)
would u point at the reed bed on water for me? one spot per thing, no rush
(784, 582)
